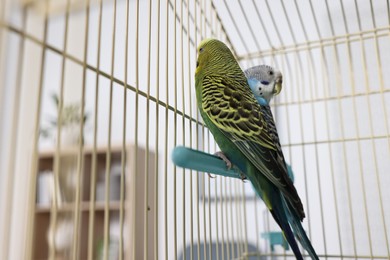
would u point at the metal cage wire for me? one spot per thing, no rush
(129, 66)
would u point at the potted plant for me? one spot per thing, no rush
(69, 123)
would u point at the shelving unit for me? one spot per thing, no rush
(66, 206)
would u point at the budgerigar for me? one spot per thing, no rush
(265, 82)
(230, 111)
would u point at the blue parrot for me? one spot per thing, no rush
(265, 82)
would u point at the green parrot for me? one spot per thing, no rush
(231, 112)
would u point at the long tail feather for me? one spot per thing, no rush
(274, 201)
(280, 217)
(299, 232)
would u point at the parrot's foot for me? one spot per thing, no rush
(225, 159)
(210, 176)
(229, 165)
(243, 176)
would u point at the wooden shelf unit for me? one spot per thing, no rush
(43, 212)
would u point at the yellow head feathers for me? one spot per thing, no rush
(213, 53)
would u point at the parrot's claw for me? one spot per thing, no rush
(243, 176)
(225, 159)
(210, 176)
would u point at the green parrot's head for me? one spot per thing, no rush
(213, 56)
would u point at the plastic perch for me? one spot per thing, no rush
(200, 161)
(204, 162)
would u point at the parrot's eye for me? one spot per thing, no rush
(201, 50)
(271, 72)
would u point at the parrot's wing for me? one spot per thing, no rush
(233, 109)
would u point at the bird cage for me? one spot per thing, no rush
(96, 94)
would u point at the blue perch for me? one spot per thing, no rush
(199, 161)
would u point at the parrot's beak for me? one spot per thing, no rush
(278, 86)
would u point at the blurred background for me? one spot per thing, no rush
(95, 94)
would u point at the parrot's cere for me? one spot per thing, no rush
(247, 135)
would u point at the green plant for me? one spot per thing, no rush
(70, 117)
